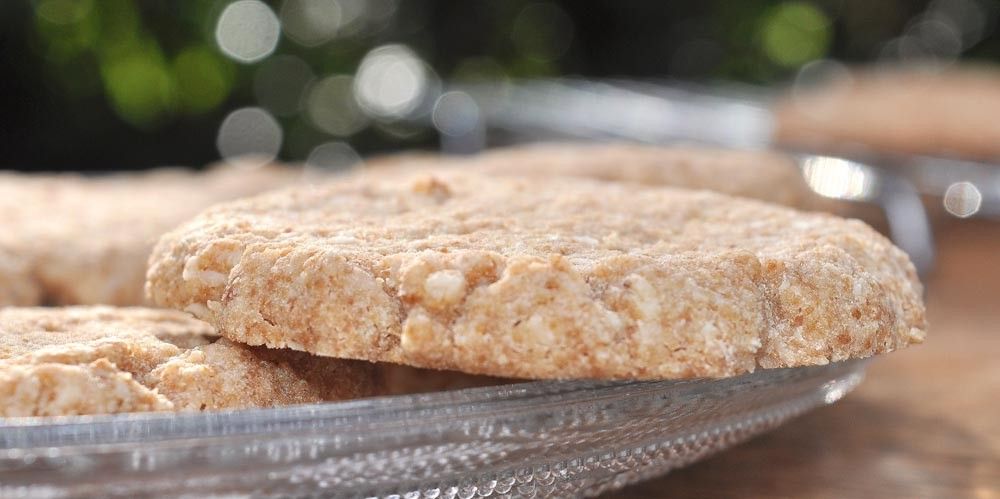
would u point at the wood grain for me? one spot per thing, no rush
(925, 423)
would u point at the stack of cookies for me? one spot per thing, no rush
(549, 262)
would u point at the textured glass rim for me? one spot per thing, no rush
(372, 415)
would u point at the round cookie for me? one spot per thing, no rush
(540, 277)
(17, 286)
(99, 360)
(909, 110)
(767, 176)
(71, 239)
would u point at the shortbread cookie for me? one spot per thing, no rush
(98, 360)
(903, 111)
(85, 240)
(227, 375)
(767, 176)
(17, 286)
(540, 278)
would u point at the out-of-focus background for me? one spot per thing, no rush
(122, 84)
(88, 85)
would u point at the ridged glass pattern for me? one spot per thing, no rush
(537, 439)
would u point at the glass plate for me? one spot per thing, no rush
(546, 438)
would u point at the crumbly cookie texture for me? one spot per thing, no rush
(98, 360)
(71, 239)
(767, 176)
(234, 376)
(540, 277)
(875, 110)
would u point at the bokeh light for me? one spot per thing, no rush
(820, 72)
(926, 39)
(311, 22)
(794, 33)
(139, 83)
(247, 31)
(831, 78)
(66, 36)
(972, 18)
(355, 15)
(391, 82)
(456, 114)
(137, 69)
(250, 135)
(937, 37)
(332, 108)
(963, 199)
(941, 32)
(839, 178)
(204, 79)
(333, 156)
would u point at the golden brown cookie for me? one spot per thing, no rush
(71, 239)
(98, 360)
(540, 277)
(17, 286)
(767, 176)
(909, 110)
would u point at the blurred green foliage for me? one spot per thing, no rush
(111, 42)
(151, 70)
(794, 33)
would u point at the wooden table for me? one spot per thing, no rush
(925, 423)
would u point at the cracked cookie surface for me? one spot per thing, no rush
(540, 277)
